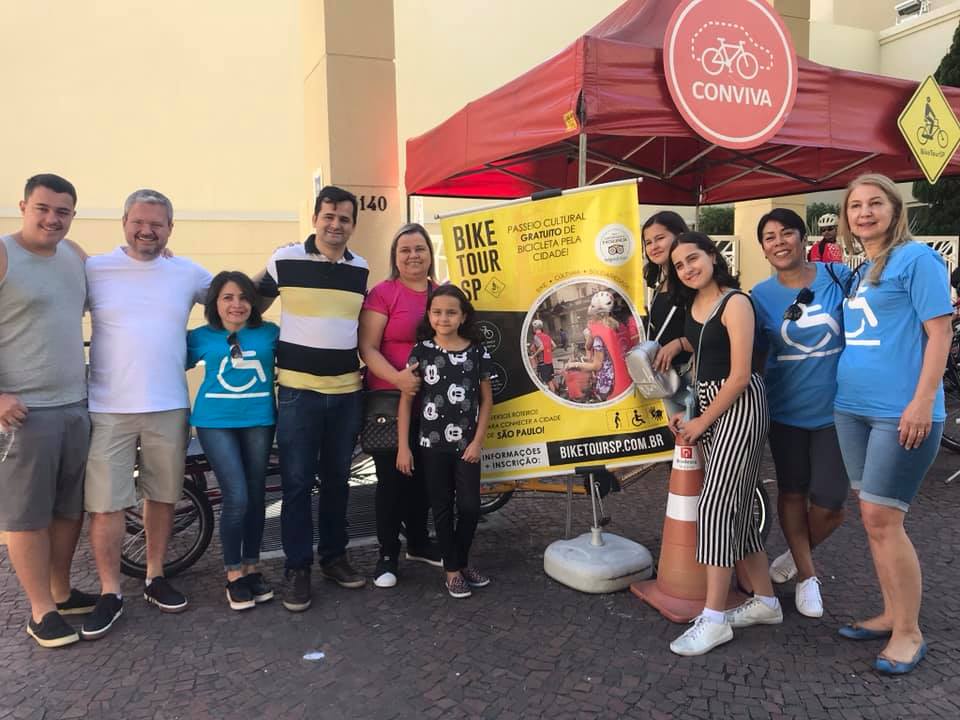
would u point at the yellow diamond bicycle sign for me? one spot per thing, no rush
(930, 129)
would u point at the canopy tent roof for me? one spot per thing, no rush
(523, 137)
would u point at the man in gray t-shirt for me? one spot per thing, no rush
(43, 404)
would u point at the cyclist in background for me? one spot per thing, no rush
(234, 415)
(827, 250)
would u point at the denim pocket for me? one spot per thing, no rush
(288, 396)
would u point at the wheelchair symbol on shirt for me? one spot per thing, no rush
(811, 316)
(243, 363)
(859, 302)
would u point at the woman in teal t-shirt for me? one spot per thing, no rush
(889, 405)
(235, 415)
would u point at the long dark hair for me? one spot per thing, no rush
(468, 329)
(246, 287)
(672, 222)
(683, 296)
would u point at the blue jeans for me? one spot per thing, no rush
(882, 470)
(316, 435)
(239, 457)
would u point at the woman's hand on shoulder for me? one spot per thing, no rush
(408, 380)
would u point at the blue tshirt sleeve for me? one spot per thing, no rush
(927, 284)
(194, 353)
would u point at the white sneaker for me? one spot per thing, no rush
(754, 612)
(808, 598)
(702, 637)
(783, 568)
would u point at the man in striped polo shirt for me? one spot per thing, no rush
(321, 285)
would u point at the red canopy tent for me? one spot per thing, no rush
(602, 105)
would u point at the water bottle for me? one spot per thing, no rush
(7, 436)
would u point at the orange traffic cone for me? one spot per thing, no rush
(680, 588)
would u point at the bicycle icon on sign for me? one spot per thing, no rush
(730, 57)
(931, 128)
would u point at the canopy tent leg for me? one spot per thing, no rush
(582, 161)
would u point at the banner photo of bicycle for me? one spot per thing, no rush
(557, 284)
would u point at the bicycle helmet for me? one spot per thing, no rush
(537, 324)
(602, 301)
(827, 221)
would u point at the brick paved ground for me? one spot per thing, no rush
(525, 647)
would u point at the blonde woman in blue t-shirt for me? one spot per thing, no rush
(235, 415)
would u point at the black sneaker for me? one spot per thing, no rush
(79, 603)
(108, 608)
(429, 554)
(261, 590)
(296, 590)
(52, 631)
(342, 573)
(385, 575)
(239, 595)
(162, 594)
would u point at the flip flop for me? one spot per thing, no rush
(894, 667)
(852, 631)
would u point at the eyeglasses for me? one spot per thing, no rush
(236, 352)
(794, 311)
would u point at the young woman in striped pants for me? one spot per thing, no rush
(732, 428)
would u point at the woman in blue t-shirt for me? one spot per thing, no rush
(800, 331)
(889, 406)
(235, 414)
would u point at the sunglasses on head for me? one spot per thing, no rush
(236, 352)
(794, 311)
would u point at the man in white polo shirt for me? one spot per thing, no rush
(139, 302)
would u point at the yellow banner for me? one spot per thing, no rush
(558, 288)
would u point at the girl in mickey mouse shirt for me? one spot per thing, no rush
(455, 399)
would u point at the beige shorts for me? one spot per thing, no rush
(111, 484)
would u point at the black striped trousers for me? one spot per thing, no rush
(732, 447)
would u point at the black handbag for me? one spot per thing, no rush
(379, 431)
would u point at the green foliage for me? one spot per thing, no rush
(815, 210)
(942, 217)
(715, 219)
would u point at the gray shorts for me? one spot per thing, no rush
(43, 473)
(162, 437)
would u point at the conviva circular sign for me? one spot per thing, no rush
(731, 70)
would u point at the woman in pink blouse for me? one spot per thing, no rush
(388, 327)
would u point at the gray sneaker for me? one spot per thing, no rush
(754, 612)
(342, 573)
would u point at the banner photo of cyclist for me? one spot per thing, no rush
(557, 284)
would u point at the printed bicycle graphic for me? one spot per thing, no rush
(926, 132)
(730, 57)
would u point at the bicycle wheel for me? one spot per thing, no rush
(712, 61)
(493, 502)
(942, 139)
(192, 530)
(951, 396)
(922, 136)
(762, 510)
(747, 66)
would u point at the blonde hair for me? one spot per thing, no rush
(897, 234)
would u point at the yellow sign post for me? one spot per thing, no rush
(930, 129)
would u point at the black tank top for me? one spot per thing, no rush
(713, 363)
(659, 309)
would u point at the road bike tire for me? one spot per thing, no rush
(951, 396)
(192, 531)
(493, 502)
(763, 511)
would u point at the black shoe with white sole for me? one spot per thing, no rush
(162, 594)
(52, 631)
(79, 603)
(429, 554)
(108, 608)
(239, 595)
(261, 589)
